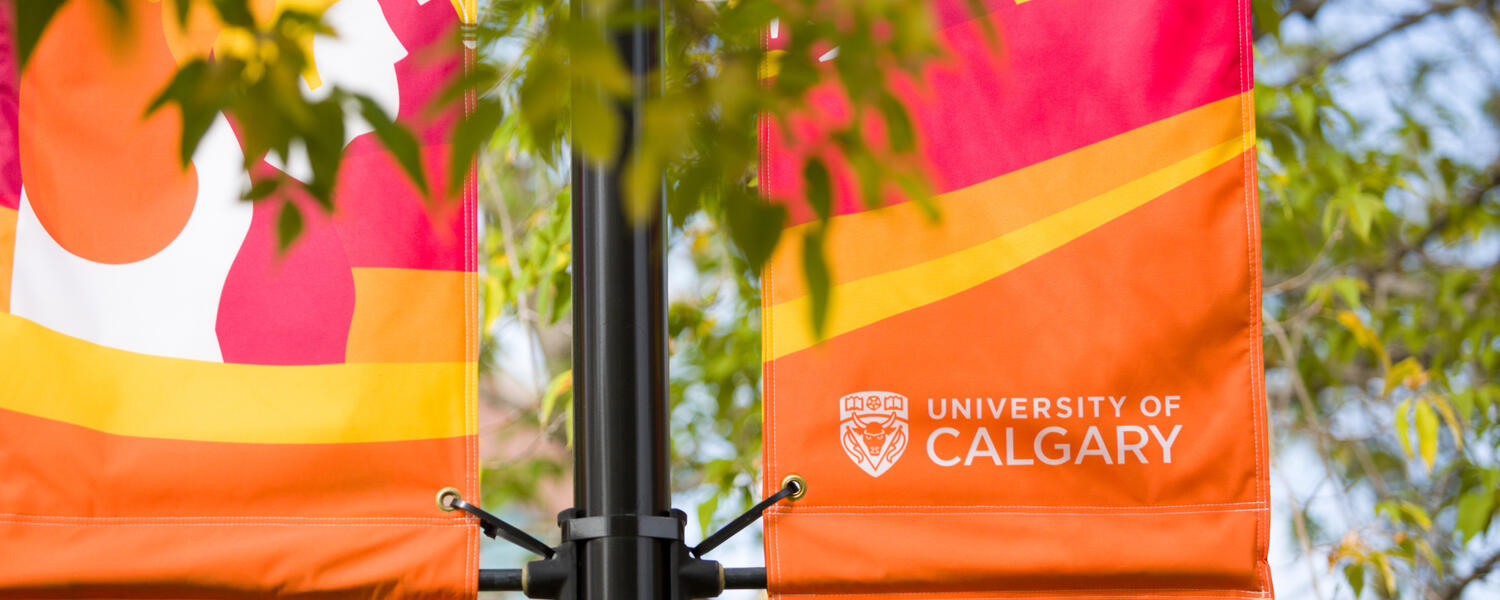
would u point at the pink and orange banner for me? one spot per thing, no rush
(187, 411)
(1056, 389)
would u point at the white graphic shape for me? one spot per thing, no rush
(873, 429)
(361, 59)
(166, 304)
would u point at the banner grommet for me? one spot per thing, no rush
(797, 482)
(446, 496)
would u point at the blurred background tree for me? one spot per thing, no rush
(1380, 159)
(1379, 125)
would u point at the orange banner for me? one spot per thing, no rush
(1055, 390)
(189, 411)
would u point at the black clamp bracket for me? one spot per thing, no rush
(588, 528)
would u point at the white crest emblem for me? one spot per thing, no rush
(872, 429)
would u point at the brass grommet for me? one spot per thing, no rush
(799, 486)
(446, 496)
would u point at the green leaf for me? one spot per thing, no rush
(1363, 208)
(706, 512)
(288, 226)
(1387, 573)
(546, 296)
(1446, 410)
(754, 226)
(562, 282)
(1349, 289)
(819, 190)
(1363, 335)
(1399, 372)
(594, 59)
(397, 139)
(1268, 19)
(495, 300)
(1427, 433)
(197, 108)
(561, 385)
(1305, 106)
(324, 142)
(1417, 514)
(32, 17)
(1425, 550)
(235, 13)
(978, 9)
(1354, 573)
(262, 188)
(596, 126)
(819, 280)
(643, 186)
(1402, 426)
(898, 128)
(182, 9)
(1475, 510)
(469, 135)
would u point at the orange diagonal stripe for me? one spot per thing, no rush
(866, 243)
(865, 301)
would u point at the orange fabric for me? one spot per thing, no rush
(1035, 527)
(1055, 391)
(43, 558)
(218, 479)
(401, 315)
(159, 437)
(245, 512)
(990, 550)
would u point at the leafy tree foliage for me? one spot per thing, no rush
(1381, 297)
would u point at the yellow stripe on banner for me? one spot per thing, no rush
(50, 375)
(858, 245)
(864, 301)
(468, 11)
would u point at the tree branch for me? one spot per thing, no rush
(1404, 23)
(1307, 9)
(1488, 181)
(1456, 589)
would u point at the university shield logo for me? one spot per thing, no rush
(872, 429)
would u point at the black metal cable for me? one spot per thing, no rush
(494, 526)
(792, 487)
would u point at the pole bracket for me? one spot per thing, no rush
(588, 528)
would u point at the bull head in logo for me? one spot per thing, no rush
(873, 430)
